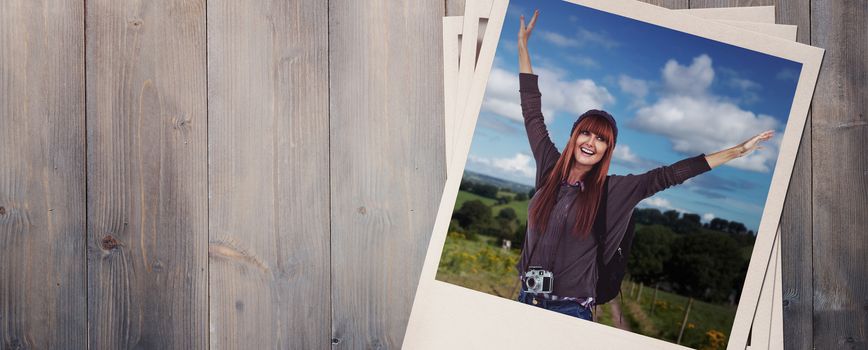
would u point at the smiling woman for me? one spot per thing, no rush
(564, 212)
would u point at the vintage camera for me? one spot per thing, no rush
(537, 280)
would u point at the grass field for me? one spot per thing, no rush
(706, 322)
(479, 266)
(464, 196)
(519, 207)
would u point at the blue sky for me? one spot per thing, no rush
(674, 95)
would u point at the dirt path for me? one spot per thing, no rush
(619, 321)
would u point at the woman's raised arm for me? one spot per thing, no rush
(720, 157)
(639, 187)
(523, 35)
(544, 151)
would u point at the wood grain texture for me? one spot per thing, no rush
(796, 228)
(268, 174)
(698, 4)
(387, 162)
(42, 175)
(670, 4)
(147, 175)
(840, 176)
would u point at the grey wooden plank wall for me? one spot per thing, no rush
(43, 278)
(268, 163)
(147, 176)
(387, 162)
(265, 174)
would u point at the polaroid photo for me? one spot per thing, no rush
(763, 321)
(475, 17)
(433, 296)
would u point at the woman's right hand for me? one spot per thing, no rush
(524, 65)
(524, 31)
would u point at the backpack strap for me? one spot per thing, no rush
(599, 238)
(600, 224)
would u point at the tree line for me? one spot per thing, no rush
(675, 251)
(492, 191)
(474, 217)
(688, 222)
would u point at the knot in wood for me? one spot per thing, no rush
(109, 242)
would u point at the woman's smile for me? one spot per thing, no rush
(591, 148)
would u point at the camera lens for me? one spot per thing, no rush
(530, 283)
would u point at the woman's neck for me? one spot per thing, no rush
(578, 172)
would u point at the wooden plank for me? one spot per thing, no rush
(796, 251)
(147, 175)
(840, 176)
(670, 4)
(796, 219)
(698, 4)
(387, 162)
(269, 168)
(42, 175)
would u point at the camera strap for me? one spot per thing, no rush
(530, 256)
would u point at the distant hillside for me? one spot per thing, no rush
(490, 180)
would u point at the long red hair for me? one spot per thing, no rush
(586, 202)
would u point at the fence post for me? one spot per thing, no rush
(684, 323)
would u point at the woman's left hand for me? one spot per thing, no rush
(754, 142)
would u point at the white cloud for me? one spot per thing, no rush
(583, 61)
(743, 84)
(587, 36)
(623, 153)
(558, 39)
(571, 96)
(787, 74)
(696, 121)
(707, 217)
(559, 94)
(747, 87)
(637, 88)
(625, 156)
(501, 94)
(509, 45)
(660, 203)
(583, 37)
(520, 164)
(692, 80)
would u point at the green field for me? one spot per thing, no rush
(519, 207)
(479, 266)
(705, 322)
(464, 196)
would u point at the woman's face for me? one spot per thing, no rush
(590, 148)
